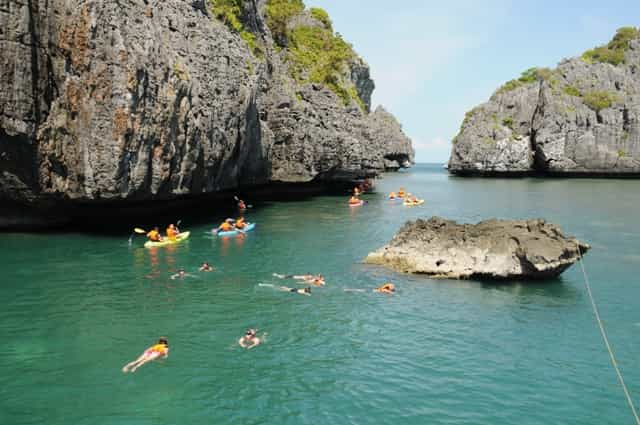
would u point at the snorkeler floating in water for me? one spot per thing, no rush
(317, 280)
(387, 288)
(250, 339)
(305, 291)
(181, 274)
(205, 267)
(155, 352)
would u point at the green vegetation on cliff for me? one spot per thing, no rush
(279, 12)
(322, 16)
(315, 54)
(529, 76)
(613, 52)
(230, 13)
(572, 91)
(599, 100)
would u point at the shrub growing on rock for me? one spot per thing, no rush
(572, 91)
(279, 12)
(322, 16)
(230, 13)
(529, 76)
(613, 52)
(599, 100)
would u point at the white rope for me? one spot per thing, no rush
(606, 340)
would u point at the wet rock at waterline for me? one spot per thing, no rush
(494, 249)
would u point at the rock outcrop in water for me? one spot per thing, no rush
(582, 118)
(492, 249)
(116, 102)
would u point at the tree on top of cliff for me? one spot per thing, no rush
(613, 52)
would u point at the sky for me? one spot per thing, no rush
(434, 60)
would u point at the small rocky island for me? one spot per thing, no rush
(491, 249)
(578, 119)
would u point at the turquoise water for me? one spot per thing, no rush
(78, 307)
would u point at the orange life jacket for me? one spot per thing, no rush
(153, 236)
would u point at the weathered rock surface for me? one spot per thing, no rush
(155, 100)
(493, 249)
(582, 118)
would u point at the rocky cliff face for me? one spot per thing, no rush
(582, 118)
(152, 100)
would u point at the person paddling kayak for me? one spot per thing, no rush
(154, 235)
(240, 223)
(242, 205)
(155, 352)
(172, 232)
(354, 200)
(226, 226)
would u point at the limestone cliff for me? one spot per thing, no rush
(152, 100)
(582, 118)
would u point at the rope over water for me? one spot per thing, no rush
(606, 340)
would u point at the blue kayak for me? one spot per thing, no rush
(249, 227)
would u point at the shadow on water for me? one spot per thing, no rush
(116, 218)
(540, 290)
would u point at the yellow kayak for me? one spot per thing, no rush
(413, 204)
(181, 237)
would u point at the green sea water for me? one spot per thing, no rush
(77, 307)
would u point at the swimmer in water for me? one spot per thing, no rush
(387, 288)
(305, 291)
(205, 267)
(155, 352)
(181, 274)
(317, 280)
(250, 339)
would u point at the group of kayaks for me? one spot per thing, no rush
(174, 236)
(354, 201)
(407, 199)
(183, 236)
